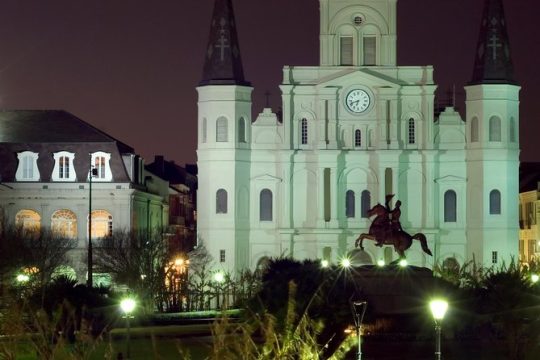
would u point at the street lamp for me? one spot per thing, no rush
(380, 263)
(403, 263)
(438, 310)
(535, 278)
(346, 263)
(359, 309)
(91, 173)
(324, 263)
(128, 305)
(22, 278)
(219, 278)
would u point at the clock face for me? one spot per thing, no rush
(357, 101)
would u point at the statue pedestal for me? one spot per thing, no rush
(393, 289)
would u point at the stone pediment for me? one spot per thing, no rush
(266, 177)
(449, 179)
(359, 76)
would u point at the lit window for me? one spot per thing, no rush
(222, 256)
(370, 50)
(64, 224)
(495, 129)
(266, 205)
(221, 201)
(357, 138)
(346, 48)
(450, 206)
(412, 137)
(365, 203)
(101, 224)
(304, 131)
(63, 167)
(28, 221)
(27, 169)
(495, 202)
(222, 130)
(101, 164)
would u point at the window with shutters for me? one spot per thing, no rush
(27, 169)
(370, 50)
(222, 130)
(346, 50)
(365, 203)
(495, 129)
(358, 138)
(221, 201)
(495, 202)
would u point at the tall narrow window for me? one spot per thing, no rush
(370, 138)
(242, 130)
(495, 129)
(357, 138)
(370, 50)
(204, 126)
(346, 50)
(102, 169)
(388, 181)
(221, 201)
(64, 166)
(494, 257)
(474, 129)
(450, 206)
(304, 131)
(412, 135)
(365, 203)
(222, 130)
(27, 169)
(327, 196)
(349, 204)
(100, 165)
(266, 205)
(102, 224)
(221, 256)
(495, 202)
(512, 130)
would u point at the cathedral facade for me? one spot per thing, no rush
(352, 130)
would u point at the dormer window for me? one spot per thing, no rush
(27, 169)
(101, 163)
(63, 166)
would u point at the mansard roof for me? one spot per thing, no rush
(493, 62)
(223, 63)
(51, 126)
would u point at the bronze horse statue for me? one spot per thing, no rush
(386, 233)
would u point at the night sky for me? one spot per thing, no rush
(130, 67)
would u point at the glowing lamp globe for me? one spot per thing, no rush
(324, 263)
(403, 263)
(380, 263)
(438, 309)
(22, 278)
(128, 305)
(535, 278)
(346, 263)
(219, 277)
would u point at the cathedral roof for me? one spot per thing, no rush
(493, 63)
(223, 63)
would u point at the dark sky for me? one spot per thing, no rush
(130, 67)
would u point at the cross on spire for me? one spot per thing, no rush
(493, 63)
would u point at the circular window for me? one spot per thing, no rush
(358, 20)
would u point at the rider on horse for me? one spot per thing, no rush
(389, 221)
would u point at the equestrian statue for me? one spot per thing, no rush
(386, 230)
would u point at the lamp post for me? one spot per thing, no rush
(438, 310)
(128, 305)
(91, 173)
(359, 309)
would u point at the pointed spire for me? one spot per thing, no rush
(223, 64)
(493, 64)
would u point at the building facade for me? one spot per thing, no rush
(46, 158)
(352, 130)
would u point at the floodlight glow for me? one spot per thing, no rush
(179, 262)
(535, 278)
(22, 278)
(325, 263)
(403, 263)
(128, 305)
(346, 263)
(381, 263)
(438, 308)
(219, 277)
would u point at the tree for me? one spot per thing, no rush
(200, 278)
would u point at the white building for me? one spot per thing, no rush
(353, 129)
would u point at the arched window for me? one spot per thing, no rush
(204, 126)
(450, 206)
(512, 130)
(28, 220)
(495, 202)
(357, 138)
(64, 224)
(265, 213)
(495, 129)
(222, 130)
(102, 223)
(221, 201)
(412, 135)
(349, 204)
(304, 132)
(474, 129)
(63, 166)
(365, 203)
(242, 130)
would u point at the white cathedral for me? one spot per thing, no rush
(354, 129)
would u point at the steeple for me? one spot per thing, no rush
(223, 64)
(493, 64)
